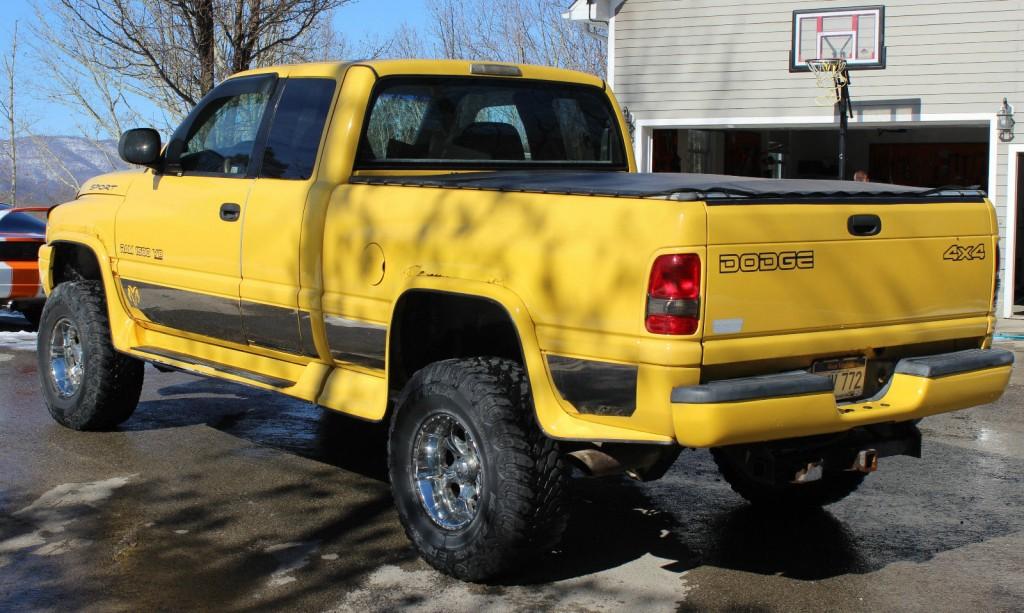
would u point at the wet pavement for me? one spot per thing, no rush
(215, 496)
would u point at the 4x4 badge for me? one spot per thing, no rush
(963, 253)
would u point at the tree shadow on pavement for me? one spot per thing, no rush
(268, 419)
(911, 512)
(691, 518)
(615, 521)
(180, 544)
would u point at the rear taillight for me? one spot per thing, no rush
(673, 294)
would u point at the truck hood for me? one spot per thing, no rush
(110, 184)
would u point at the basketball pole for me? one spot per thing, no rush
(845, 109)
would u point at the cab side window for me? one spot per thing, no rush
(222, 137)
(296, 129)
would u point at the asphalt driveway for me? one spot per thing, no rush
(215, 496)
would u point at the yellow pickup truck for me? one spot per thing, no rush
(466, 252)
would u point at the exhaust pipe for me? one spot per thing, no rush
(866, 461)
(640, 462)
(596, 463)
(812, 472)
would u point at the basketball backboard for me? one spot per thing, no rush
(852, 34)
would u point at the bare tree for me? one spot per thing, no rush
(62, 178)
(171, 52)
(8, 111)
(325, 43)
(405, 42)
(452, 30)
(97, 96)
(528, 31)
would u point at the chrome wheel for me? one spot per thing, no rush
(66, 364)
(446, 470)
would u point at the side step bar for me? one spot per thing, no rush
(224, 368)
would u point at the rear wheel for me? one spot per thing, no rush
(479, 488)
(86, 384)
(833, 486)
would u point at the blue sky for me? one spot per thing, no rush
(355, 21)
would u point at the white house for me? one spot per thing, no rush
(721, 86)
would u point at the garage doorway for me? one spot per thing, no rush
(924, 156)
(929, 164)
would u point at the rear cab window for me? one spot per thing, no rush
(459, 122)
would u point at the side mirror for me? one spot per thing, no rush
(140, 146)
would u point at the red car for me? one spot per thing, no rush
(21, 235)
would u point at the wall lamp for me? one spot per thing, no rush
(1005, 122)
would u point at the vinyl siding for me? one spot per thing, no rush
(680, 59)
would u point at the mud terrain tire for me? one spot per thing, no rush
(101, 387)
(520, 508)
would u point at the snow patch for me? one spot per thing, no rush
(57, 548)
(18, 341)
(290, 558)
(54, 512)
(643, 584)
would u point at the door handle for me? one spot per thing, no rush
(229, 211)
(864, 225)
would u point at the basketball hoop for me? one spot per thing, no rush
(830, 77)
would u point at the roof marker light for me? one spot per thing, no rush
(496, 70)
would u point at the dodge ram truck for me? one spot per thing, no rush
(465, 252)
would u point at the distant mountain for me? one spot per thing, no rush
(49, 167)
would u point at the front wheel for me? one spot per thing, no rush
(478, 486)
(86, 384)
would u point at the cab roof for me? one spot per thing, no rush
(384, 68)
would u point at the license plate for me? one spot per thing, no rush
(847, 375)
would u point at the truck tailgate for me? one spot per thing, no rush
(784, 268)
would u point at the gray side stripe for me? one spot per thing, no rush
(272, 327)
(306, 332)
(237, 321)
(211, 316)
(356, 341)
(595, 388)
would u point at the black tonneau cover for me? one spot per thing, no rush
(677, 186)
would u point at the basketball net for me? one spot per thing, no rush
(830, 77)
